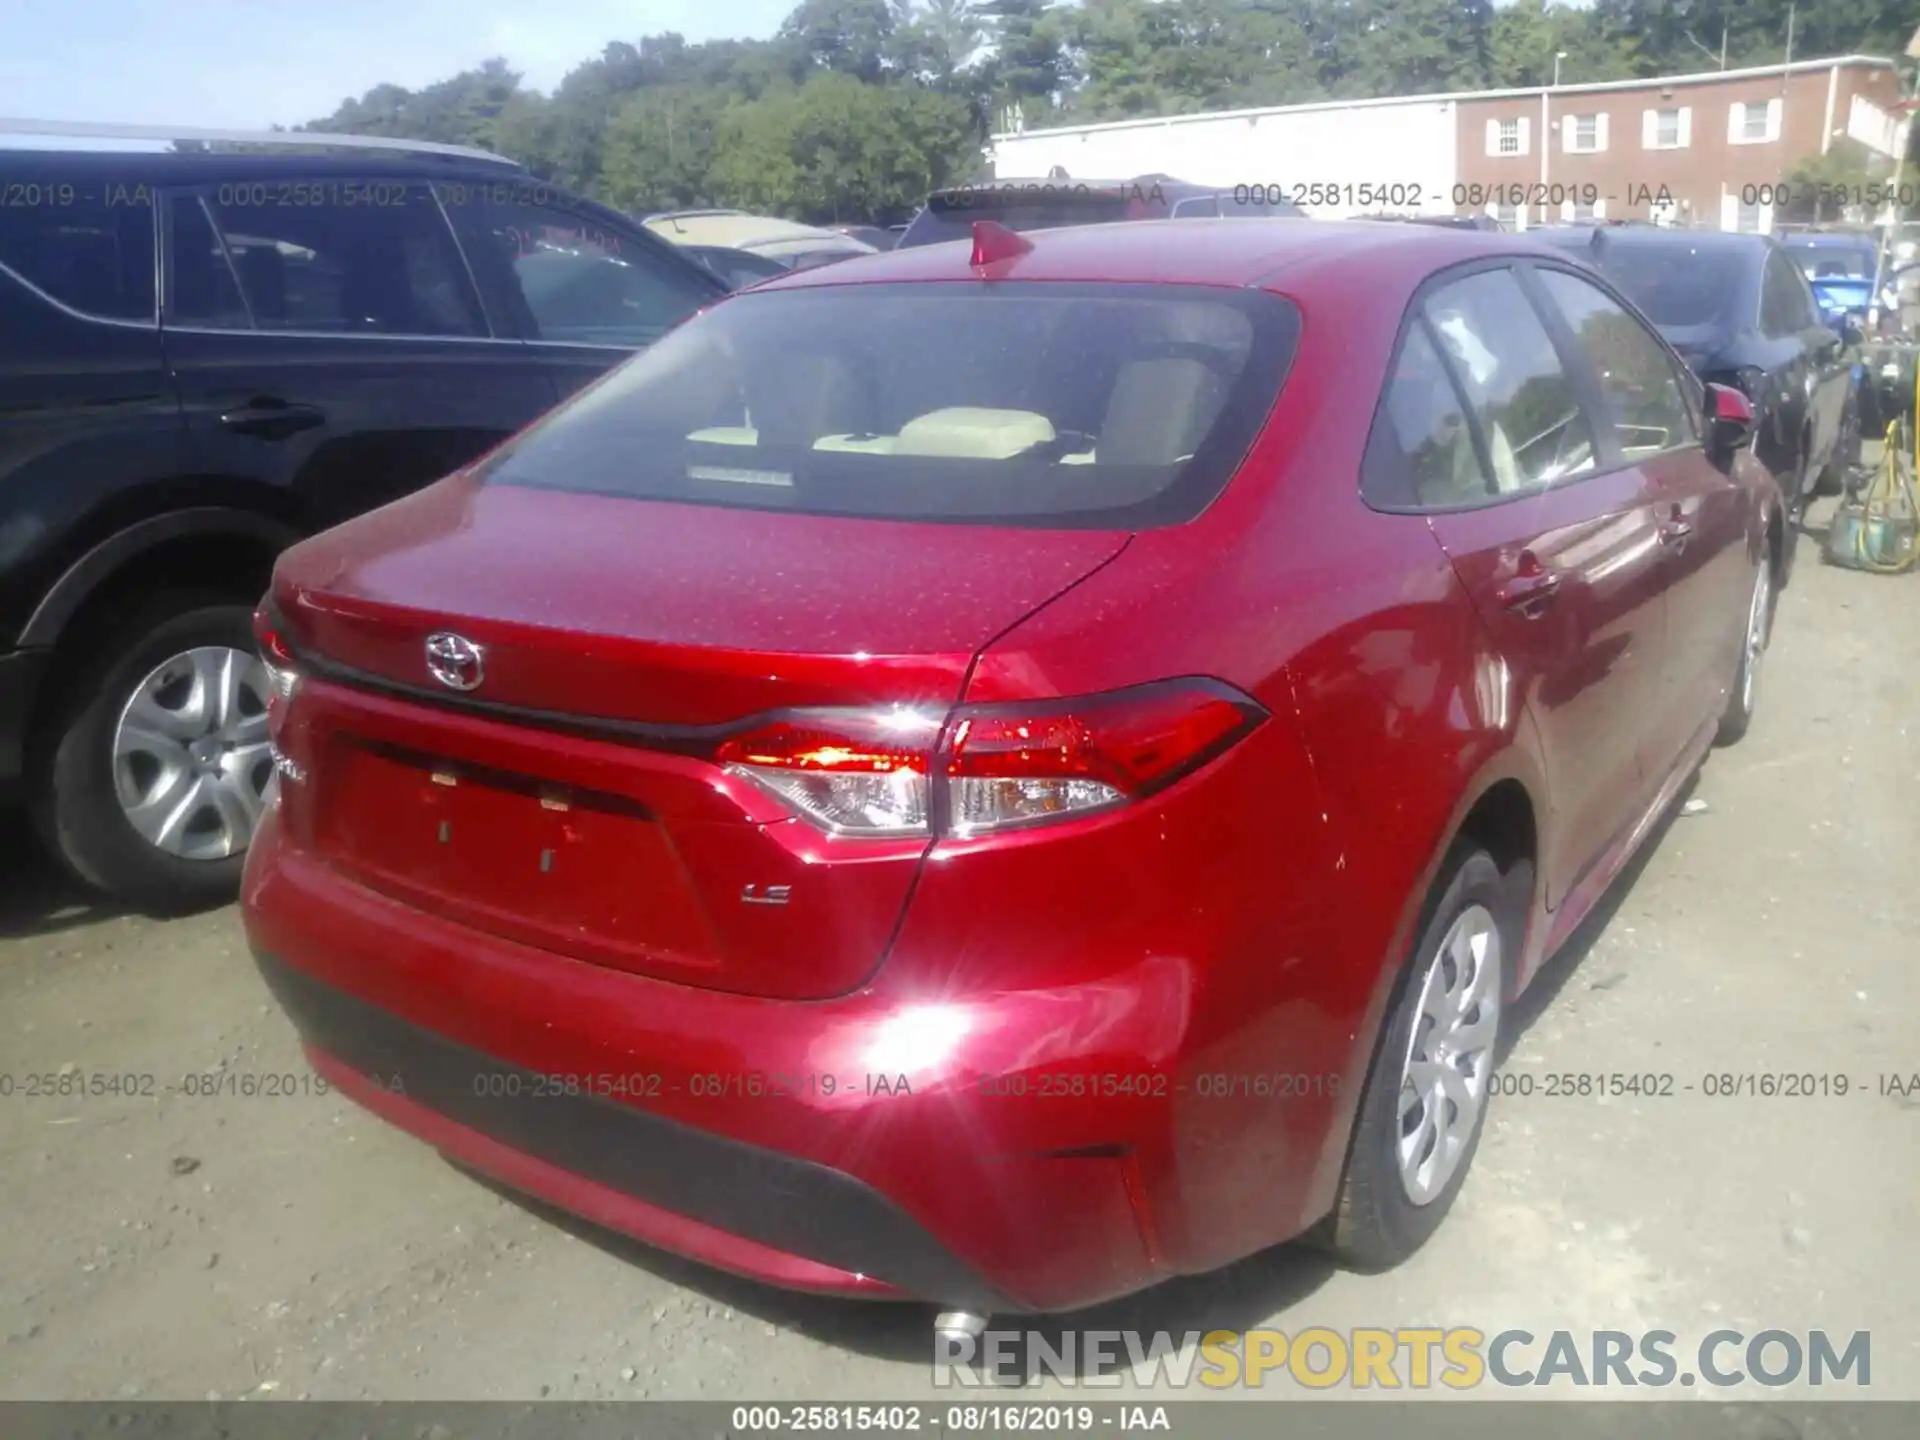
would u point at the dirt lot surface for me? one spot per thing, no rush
(226, 1245)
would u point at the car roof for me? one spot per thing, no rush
(175, 167)
(734, 228)
(1281, 254)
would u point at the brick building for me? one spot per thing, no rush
(1704, 144)
(1716, 143)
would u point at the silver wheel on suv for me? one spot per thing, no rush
(191, 763)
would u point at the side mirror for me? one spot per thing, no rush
(1729, 421)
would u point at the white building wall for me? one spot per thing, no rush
(1875, 128)
(1333, 160)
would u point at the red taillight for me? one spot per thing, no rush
(996, 767)
(850, 771)
(283, 681)
(1020, 764)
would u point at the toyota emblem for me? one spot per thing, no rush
(455, 661)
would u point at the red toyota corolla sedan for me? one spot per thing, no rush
(1001, 776)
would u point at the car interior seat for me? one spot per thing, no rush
(263, 275)
(1159, 410)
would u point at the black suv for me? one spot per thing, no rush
(206, 356)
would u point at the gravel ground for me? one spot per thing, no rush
(230, 1246)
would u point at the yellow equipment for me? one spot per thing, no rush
(1879, 528)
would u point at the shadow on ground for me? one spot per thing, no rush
(37, 897)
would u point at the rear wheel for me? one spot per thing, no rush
(156, 764)
(1753, 649)
(1426, 1099)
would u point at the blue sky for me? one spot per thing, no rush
(236, 63)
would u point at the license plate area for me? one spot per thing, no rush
(586, 872)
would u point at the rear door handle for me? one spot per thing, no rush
(270, 419)
(1676, 530)
(1530, 593)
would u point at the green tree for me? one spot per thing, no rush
(937, 42)
(1823, 188)
(1524, 37)
(460, 110)
(1029, 67)
(853, 37)
(838, 150)
(658, 149)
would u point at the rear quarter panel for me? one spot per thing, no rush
(1323, 831)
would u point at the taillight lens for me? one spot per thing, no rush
(849, 771)
(994, 767)
(1009, 766)
(283, 683)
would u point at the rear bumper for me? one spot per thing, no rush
(20, 675)
(857, 1146)
(761, 1213)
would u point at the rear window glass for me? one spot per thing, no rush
(1043, 404)
(1821, 261)
(1677, 286)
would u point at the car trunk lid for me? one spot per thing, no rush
(569, 799)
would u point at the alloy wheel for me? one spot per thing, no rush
(1448, 1067)
(1759, 616)
(191, 762)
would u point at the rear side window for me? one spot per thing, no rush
(1041, 404)
(1786, 302)
(341, 257)
(1479, 339)
(1649, 406)
(89, 246)
(569, 276)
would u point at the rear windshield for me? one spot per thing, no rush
(1679, 287)
(1820, 261)
(1054, 405)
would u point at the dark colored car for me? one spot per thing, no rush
(1022, 205)
(204, 357)
(1820, 253)
(739, 268)
(1004, 775)
(1741, 312)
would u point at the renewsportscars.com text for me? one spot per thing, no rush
(1408, 1358)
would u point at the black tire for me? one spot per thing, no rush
(75, 805)
(1744, 697)
(1375, 1223)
